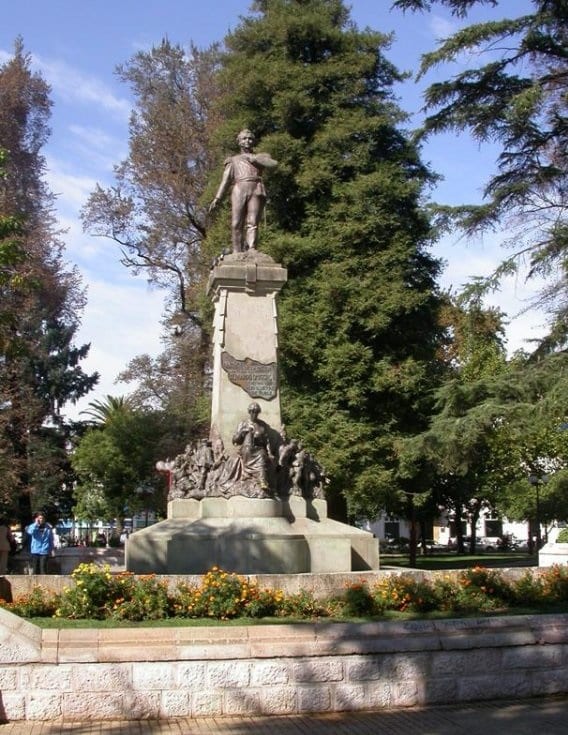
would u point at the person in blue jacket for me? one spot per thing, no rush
(41, 543)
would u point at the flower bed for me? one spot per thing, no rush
(99, 594)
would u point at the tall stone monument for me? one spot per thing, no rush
(248, 498)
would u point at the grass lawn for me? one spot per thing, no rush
(391, 615)
(461, 561)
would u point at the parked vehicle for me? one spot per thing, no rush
(394, 546)
(520, 545)
(490, 543)
(433, 547)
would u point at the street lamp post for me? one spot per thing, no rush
(536, 481)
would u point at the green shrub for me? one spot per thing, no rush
(262, 603)
(488, 581)
(93, 595)
(302, 604)
(140, 598)
(403, 592)
(38, 603)
(358, 600)
(183, 600)
(222, 595)
(554, 581)
(98, 594)
(562, 537)
(528, 590)
(477, 589)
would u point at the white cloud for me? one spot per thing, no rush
(85, 249)
(120, 322)
(73, 85)
(96, 147)
(481, 257)
(442, 27)
(71, 190)
(93, 137)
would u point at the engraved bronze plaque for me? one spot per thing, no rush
(259, 380)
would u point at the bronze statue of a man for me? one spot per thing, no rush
(248, 196)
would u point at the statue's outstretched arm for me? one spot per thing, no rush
(263, 159)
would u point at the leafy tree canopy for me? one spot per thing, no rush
(115, 462)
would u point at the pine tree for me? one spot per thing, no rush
(359, 315)
(516, 98)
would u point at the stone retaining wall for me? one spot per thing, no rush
(322, 586)
(131, 673)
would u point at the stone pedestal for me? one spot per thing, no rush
(250, 536)
(552, 554)
(243, 288)
(238, 520)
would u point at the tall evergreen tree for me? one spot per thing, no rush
(39, 366)
(359, 316)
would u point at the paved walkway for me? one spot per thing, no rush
(548, 716)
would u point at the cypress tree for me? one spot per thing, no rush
(359, 316)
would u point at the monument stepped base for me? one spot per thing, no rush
(250, 536)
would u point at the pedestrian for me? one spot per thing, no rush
(41, 543)
(7, 544)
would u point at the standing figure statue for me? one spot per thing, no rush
(252, 436)
(204, 460)
(248, 196)
(297, 471)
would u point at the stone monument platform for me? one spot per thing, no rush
(249, 498)
(250, 536)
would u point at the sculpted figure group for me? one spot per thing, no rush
(266, 464)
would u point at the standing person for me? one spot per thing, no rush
(41, 543)
(7, 544)
(244, 173)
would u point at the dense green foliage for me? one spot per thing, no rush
(40, 303)
(359, 315)
(498, 437)
(562, 537)
(493, 439)
(115, 463)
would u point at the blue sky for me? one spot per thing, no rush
(77, 46)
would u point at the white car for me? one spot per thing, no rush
(490, 543)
